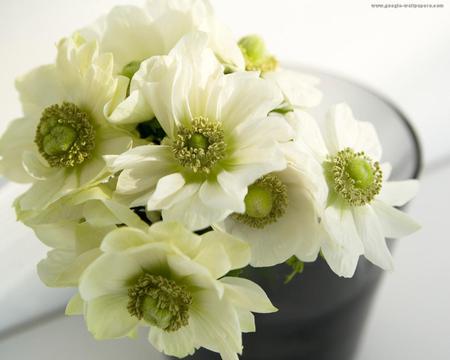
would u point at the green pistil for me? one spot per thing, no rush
(354, 177)
(255, 54)
(160, 302)
(65, 136)
(201, 146)
(266, 201)
(130, 69)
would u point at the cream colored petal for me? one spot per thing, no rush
(237, 251)
(246, 96)
(123, 238)
(343, 131)
(75, 305)
(30, 87)
(247, 295)
(180, 343)
(213, 194)
(216, 325)
(107, 317)
(398, 193)
(63, 268)
(17, 138)
(395, 223)
(372, 236)
(193, 213)
(298, 89)
(343, 246)
(166, 186)
(109, 274)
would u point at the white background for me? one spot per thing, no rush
(403, 53)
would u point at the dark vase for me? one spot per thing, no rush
(322, 316)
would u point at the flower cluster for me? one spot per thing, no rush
(162, 154)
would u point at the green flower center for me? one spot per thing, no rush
(201, 146)
(354, 177)
(266, 201)
(255, 54)
(160, 302)
(65, 136)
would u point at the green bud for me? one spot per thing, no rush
(253, 47)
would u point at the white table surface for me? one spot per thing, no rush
(403, 53)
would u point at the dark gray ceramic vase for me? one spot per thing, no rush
(322, 316)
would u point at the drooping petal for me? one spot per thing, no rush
(395, 223)
(372, 236)
(342, 247)
(216, 325)
(247, 295)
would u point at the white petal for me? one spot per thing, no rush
(247, 295)
(395, 223)
(246, 96)
(398, 193)
(75, 305)
(167, 186)
(17, 138)
(109, 274)
(193, 213)
(343, 131)
(298, 89)
(180, 343)
(124, 238)
(216, 196)
(308, 133)
(342, 247)
(107, 317)
(372, 236)
(216, 325)
(134, 109)
(237, 251)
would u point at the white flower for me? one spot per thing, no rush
(358, 212)
(133, 33)
(280, 218)
(165, 278)
(60, 142)
(73, 228)
(219, 137)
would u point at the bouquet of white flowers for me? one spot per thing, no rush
(163, 155)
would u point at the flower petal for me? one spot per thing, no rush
(395, 223)
(372, 236)
(342, 247)
(247, 295)
(180, 343)
(109, 274)
(398, 193)
(107, 317)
